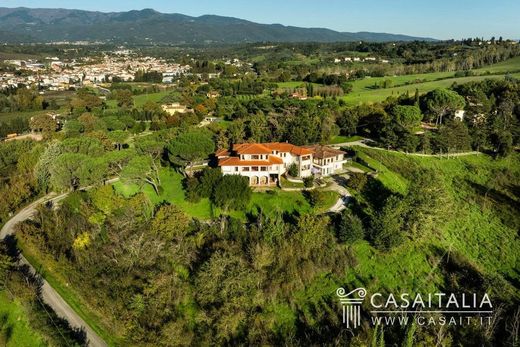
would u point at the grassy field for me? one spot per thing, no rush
(140, 100)
(362, 93)
(173, 192)
(295, 84)
(393, 180)
(363, 90)
(511, 65)
(14, 325)
(480, 229)
(268, 202)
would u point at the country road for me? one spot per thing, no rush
(49, 295)
(362, 143)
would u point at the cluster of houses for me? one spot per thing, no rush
(59, 75)
(359, 59)
(265, 163)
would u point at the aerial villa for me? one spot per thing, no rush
(265, 163)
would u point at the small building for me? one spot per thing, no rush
(174, 108)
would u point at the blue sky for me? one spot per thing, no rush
(441, 19)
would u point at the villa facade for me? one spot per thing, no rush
(265, 163)
(327, 160)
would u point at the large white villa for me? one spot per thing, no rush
(265, 163)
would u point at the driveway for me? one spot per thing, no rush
(337, 183)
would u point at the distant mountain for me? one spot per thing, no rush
(48, 25)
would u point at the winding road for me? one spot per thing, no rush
(363, 143)
(49, 295)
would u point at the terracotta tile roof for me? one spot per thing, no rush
(264, 148)
(288, 148)
(222, 153)
(251, 148)
(321, 152)
(235, 161)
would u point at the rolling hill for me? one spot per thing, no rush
(149, 26)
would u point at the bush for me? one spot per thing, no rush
(308, 182)
(232, 191)
(293, 170)
(350, 228)
(387, 224)
(315, 197)
(192, 188)
(357, 180)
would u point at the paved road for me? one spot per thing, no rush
(49, 295)
(362, 143)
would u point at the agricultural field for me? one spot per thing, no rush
(364, 91)
(367, 95)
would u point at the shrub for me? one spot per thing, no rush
(315, 197)
(308, 182)
(232, 191)
(350, 228)
(293, 170)
(357, 180)
(192, 188)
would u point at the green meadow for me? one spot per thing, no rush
(269, 202)
(481, 230)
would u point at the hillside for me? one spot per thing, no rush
(481, 234)
(147, 26)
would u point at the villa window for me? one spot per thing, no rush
(263, 168)
(254, 157)
(254, 168)
(245, 168)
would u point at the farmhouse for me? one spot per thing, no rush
(174, 108)
(264, 163)
(326, 160)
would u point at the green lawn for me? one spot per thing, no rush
(173, 192)
(510, 65)
(15, 330)
(288, 184)
(269, 202)
(393, 180)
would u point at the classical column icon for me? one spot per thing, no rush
(351, 305)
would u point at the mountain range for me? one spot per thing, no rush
(149, 26)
